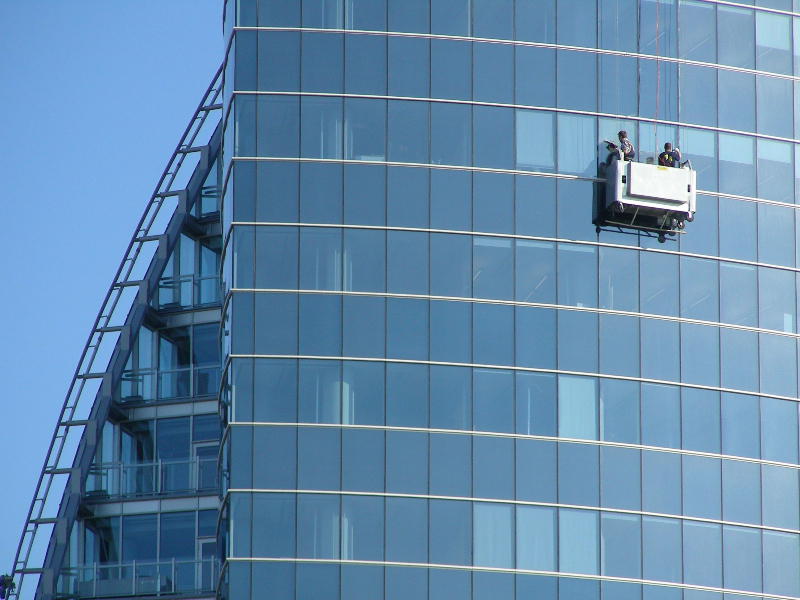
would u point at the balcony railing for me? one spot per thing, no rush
(140, 578)
(152, 384)
(161, 477)
(187, 291)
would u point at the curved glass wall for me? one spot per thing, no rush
(442, 380)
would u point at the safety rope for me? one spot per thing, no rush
(658, 85)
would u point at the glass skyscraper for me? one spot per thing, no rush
(439, 379)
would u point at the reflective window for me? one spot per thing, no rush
(578, 541)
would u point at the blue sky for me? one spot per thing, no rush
(94, 96)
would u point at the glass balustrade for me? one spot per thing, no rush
(161, 477)
(140, 578)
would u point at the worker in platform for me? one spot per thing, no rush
(626, 149)
(669, 157)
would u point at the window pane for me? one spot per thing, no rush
(536, 538)
(578, 541)
(493, 537)
(577, 407)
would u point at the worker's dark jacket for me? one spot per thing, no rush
(669, 159)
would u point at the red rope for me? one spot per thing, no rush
(658, 85)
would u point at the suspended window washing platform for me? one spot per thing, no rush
(648, 198)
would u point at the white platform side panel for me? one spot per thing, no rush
(659, 183)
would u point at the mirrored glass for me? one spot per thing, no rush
(409, 65)
(535, 206)
(362, 391)
(619, 279)
(775, 177)
(451, 331)
(578, 541)
(406, 462)
(407, 328)
(699, 354)
(702, 553)
(451, 134)
(321, 131)
(407, 529)
(536, 403)
(363, 471)
(781, 554)
(619, 478)
(408, 131)
(450, 532)
(451, 69)
(577, 147)
(578, 477)
(536, 538)
(406, 395)
(736, 37)
(493, 130)
(492, 468)
(318, 459)
(778, 365)
(738, 295)
(493, 400)
(451, 17)
(536, 470)
(278, 61)
(740, 434)
(741, 492)
(535, 70)
(779, 430)
(317, 526)
(278, 118)
(661, 482)
(619, 411)
(493, 71)
(774, 103)
(407, 197)
(409, 15)
(450, 397)
(697, 32)
(661, 549)
(620, 545)
(619, 345)
(322, 60)
(365, 129)
(701, 487)
(574, 328)
(320, 193)
(535, 20)
(738, 359)
(779, 502)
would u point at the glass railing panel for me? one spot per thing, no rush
(174, 292)
(116, 479)
(175, 383)
(139, 578)
(207, 290)
(176, 476)
(137, 385)
(207, 474)
(206, 381)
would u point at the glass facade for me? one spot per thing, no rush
(441, 380)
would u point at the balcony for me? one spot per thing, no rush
(140, 578)
(187, 291)
(150, 384)
(153, 478)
